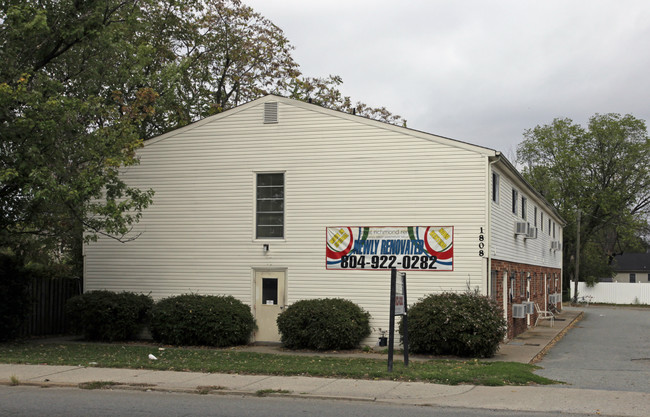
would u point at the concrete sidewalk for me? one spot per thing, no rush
(514, 398)
(526, 398)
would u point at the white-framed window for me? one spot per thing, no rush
(535, 216)
(524, 200)
(269, 205)
(541, 220)
(495, 187)
(515, 198)
(549, 227)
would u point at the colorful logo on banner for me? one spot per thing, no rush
(415, 248)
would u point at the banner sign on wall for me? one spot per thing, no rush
(412, 248)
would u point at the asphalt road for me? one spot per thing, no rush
(608, 349)
(23, 401)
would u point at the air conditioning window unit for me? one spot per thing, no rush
(518, 311)
(554, 245)
(532, 232)
(529, 307)
(521, 228)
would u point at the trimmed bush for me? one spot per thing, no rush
(202, 320)
(14, 297)
(467, 325)
(108, 316)
(323, 324)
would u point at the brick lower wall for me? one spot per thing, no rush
(518, 292)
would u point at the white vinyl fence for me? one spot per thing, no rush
(615, 292)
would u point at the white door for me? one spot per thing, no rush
(269, 303)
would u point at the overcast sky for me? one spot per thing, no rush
(477, 71)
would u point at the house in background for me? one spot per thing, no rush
(632, 267)
(244, 200)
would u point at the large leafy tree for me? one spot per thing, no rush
(599, 173)
(83, 83)
(62, 145)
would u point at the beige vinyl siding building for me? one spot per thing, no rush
(201, 233)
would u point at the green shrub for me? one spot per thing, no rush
(109, 316)
(466, 324)
(14, 296)
(210, 320)
(323, 324)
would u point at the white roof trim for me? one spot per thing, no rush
(384, 125)
(334, 113)
(201, 122)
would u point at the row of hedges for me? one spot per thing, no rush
(189, 319)
(323, 324)
(443, 324)
(465, 324)
(193, 319)
(108, 316)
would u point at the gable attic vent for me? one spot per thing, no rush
(271, 112)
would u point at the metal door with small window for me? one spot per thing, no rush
(269, 303)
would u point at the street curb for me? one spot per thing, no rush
(196, 391)
(556, 339)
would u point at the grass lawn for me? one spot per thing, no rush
(451, 372)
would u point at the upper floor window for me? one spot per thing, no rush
(524, 200)
(515, 197)
(535, 216)
(549, 227)
(269, 212)
(495, 187)
(541, 220)
(632, 277)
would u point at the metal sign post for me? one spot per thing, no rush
(405, 339)
(398, 307)
(391, 325)
(407, 248)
